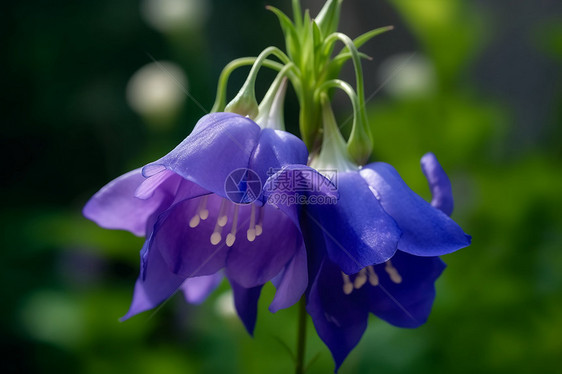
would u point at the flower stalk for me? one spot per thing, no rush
(245, 102)
(301, 337)
(220, 99)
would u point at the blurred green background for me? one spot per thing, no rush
(476, 82)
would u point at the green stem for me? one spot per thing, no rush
(245, 102)
(220, 100)
(356, 58)
(360, 144)
(345, 87)
(250, 82)
(301, 337)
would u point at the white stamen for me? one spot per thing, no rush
(347, 285)
(360, 279)
(201, 214)
(216, 236)
(393, 273)
(231, 237)
(223, 213)
(194, 221)
(251, 233)
(259, 226)
(203, 211)
(373, 278)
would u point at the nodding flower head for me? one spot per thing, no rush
(202, 210)
(374, 250)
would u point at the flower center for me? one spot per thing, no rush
(224, 217)
(368, 274)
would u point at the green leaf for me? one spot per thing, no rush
(318, 43)
(291, 36)
(362, 39)
(307, 46)
(317, 36)
(329, 17)
(344, 55)
(335, 66)
(297, 15)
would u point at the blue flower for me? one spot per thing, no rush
(194, 229)
(398, 285)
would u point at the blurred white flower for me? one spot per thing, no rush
(407, 75)
(156, 89)
(171, 15)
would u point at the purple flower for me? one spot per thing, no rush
(399, 290)
(193, 228)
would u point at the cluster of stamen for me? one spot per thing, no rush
(254, 230)
(368, 274)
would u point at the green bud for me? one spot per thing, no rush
(244, 103)
(360, 144)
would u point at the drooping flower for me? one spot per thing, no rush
(400, 291)
(200, 209)
(379, 233)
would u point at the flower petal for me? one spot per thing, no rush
(285, 189)
(291, 282)
(254, 263)
(340, 319)
(219, 144)
(357, 231)
(246, 304)
(274, 150)
(196, 290)
(147, 188)
(426, 231)
(439, 184)
(116, 207)
(155, 285)
(408, 303)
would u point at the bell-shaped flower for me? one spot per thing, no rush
(201, 210)
(400, 291)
